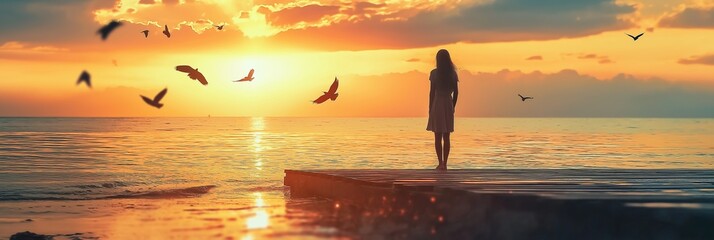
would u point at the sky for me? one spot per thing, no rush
(573, 57)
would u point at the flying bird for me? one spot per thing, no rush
(192, 73)
(634, 38)
(146, 33)
(219, 27)
(523, 99)
(107, 29)
(84, 77)
(166, 31)
(155, 102)
(247, 78)
(330, 94)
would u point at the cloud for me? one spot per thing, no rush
(690, 18)
(703, 59)
(170, 2)
(24, 47)
(363, 9)
(484, 94)
(561, 94)
(537, 57)
(115, 101)
(307, 13)
(328, 25)
(198, 15)
(367, 6)
(588, 56)
(48, 21)
(126, 40)
(263, 10)
(26, 51)
(413, 60)
(492, 21)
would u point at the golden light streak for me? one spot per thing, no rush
(261, 219)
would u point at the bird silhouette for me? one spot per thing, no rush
(192, 73)
(146, 33)
(84, 77)
(219, 27)
(166, 31)
(107, 29)
(523, 99)
(634, 38)
(155, 102)
(247, 78)
(330, 94)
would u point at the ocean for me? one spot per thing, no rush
(221, 178)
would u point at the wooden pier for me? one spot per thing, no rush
(520, 203)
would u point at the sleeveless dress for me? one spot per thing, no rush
(441, 116)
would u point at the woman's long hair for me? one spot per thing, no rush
(446, 70)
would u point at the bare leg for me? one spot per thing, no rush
(437, 146)
(447, 147)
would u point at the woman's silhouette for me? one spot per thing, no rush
(444, 83)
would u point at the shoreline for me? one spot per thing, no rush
(202, 217)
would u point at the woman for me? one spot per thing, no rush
(444, 84)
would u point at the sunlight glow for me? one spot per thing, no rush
(257, 124)
(256, 142)
(297, 47)
(261, 219)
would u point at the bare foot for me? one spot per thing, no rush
(438, 167)
(441, 167)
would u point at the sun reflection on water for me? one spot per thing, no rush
(261, 219)
(257, 125)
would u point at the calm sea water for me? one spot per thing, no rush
(241, 159)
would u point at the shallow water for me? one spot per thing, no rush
(231, 169)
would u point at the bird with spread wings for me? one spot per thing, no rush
(247, 78)
(107, 29)
(192, 73)
(85, 78)
(634, 38)
(330, 94)
(156, 101)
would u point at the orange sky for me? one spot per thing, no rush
(570, 56)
